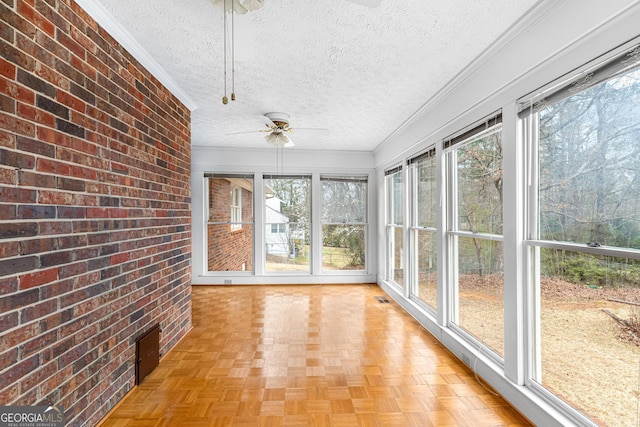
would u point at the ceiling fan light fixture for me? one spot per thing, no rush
(278, 139)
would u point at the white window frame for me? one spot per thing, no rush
(236, 208)
(365, 224)
(394, 226)
(415, 228)
(452, 232)
(528, 128)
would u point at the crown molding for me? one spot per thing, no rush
(122, 36)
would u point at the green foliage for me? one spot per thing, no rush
(349, 237)
(591, 270)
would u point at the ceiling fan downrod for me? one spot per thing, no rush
(225, 99)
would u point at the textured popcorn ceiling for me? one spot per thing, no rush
(338, 64)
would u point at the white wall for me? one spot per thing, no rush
(557, 38)
(265, 161)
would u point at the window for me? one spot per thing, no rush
(344, 222)
(236, 207)
(474, 232)
(422, 171)
(277, 228)
(288, 217)
(584, 238)
(395, 238)
(229, 230)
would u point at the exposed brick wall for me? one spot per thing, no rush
(227, 249)
(95, 230)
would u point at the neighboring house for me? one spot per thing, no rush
(277, 234)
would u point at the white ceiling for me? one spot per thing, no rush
(357, 70)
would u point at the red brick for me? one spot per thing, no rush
(30, 179)
(38, 376)
(125, 262)
(53, 167)
(71, 270)
(17, 195)
(38, 278)
(52, 76)
(8, 176)
(35, 115)
(118, 213)
(71, 101)
(18, 371)
(71, 44)
(9, 249)
(19, 126)
(97, 213)
(17, 92)
(119, 258)
(7, 69)
(84, 173)
(8, 321)
(7, 359)
(18, 336)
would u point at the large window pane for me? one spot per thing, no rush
(425, 258)
(343, 247)
(423, 255)
(587, 290)
(475, 234)
(396, 253)
(589, 159)
(425, 192)
(588, 357)
(395, 219)
(344, 217)
(479, 184)
(394, 196)
(287, 223)
(230, 223)
(481, 290)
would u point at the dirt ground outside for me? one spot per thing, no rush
(588, 358)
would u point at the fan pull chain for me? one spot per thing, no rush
(233, 54)
(225, 100)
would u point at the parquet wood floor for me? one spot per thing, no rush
(308, 355)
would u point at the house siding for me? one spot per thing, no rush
(95, 229)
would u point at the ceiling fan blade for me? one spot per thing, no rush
(242, 133)
(310, 129)
(368, 3)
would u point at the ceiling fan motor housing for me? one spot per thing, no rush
(281, 120)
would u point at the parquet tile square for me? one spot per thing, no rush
(294, 355)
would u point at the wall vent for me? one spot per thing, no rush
(147, 353)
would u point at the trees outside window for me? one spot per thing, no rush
(423, 232)
(584, 238)
(394, 228)
(344, 222)
(474, 233)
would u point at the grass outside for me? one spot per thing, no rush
(332, 259)
(588, 359)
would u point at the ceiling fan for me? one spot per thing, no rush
(368, 3)
(277, 129)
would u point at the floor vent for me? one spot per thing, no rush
(147, 353)
(382, 300)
